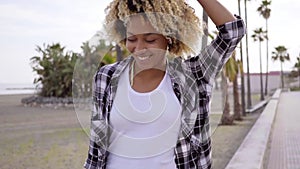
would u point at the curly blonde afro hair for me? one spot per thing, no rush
(174, 19)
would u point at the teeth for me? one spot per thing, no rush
(143, 58)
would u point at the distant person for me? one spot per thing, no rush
(151, 110)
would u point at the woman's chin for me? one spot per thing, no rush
(144, 62)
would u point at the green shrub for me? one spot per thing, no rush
(54, 68)
(66, 74)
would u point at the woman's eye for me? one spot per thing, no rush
(130, 39)
(151, 40)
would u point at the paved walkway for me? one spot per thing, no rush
(285, 139)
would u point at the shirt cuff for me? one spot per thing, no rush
(232, 29)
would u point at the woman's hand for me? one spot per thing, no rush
(216, 11)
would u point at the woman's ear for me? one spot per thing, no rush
(169, 43)
(169, 40)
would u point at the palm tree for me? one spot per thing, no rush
(282, 55)
(242, 73)
(119, 53)
(230, 72)
(249, 102)
(226, 118)
(87, 52)
(260, 35)
(104, 52)
(205, 29)
(297, 66)
(236, 99)
(265, 11)
(54, 68)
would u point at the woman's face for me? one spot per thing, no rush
(146, 44)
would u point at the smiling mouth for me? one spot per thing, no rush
(143, 57)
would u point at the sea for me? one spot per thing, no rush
(17, 88)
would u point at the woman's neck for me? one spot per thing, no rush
(147, 80)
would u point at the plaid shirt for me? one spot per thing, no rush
(192, 81)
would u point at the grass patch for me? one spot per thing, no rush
(295, 88)
(59, 149)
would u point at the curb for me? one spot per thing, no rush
(251, 152)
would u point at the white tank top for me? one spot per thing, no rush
(145, 125)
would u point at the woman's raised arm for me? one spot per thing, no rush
(216, 11)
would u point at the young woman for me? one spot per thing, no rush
(151, 110)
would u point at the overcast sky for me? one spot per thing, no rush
(25, 24)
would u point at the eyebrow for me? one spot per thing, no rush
(145, 34)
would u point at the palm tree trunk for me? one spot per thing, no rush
(299, 76)
(119, 53)
(247, 60)
(282, 81)
(226, 119)
(260, 74)
(236, 101)
(205, 29)
(242, 71)
(267, 70)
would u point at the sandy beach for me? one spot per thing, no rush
(39, 138)
(48, 138)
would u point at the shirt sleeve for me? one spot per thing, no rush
(212, 58)
(97, 153)
(205, 67)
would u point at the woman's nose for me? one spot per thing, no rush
(140, 45)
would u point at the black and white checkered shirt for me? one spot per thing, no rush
(192, 80)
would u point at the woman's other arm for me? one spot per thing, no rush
(217, 12)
